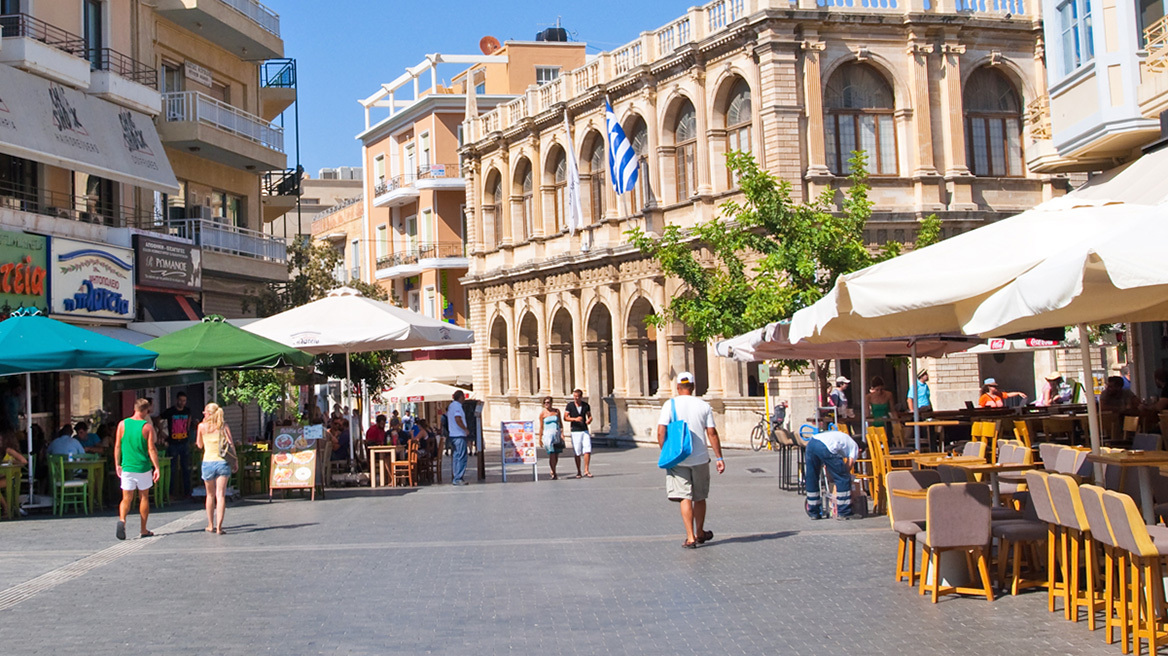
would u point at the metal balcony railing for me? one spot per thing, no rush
(226, 238)
(108, 59)
(394, 183)
(278, 73)
(258, 13)
(434, 171)
(197, 106)
(1156, 43)
(282, 183)
(23, 25)
(413, 253)
(1038, 118)
(85, 209)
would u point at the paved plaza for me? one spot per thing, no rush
(569, 566)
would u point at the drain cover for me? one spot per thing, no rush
(755, 470)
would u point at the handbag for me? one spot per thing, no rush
(227, 452)
(678, 442)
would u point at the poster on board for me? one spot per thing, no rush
(294, 458)
(519, 445)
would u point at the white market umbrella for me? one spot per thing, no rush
(422, 391)
(772, 342)
(347, 322)
(1067, 262)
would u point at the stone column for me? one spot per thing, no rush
(582, 365)
(813, 100)
(543, 330)
(702, 112)
(513, 353)
(957, 175)
(620, 374)
(926, 180)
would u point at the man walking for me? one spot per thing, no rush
(179, 423)
(136, 462)
(836, 451)
(579, 415)
(456, 424)
(689, 482)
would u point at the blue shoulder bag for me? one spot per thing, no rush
(678, 442)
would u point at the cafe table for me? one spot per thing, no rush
(939, 425)
(1144, 462)
(944, 459)
(11, 474)
(378, 465)
(94, 468)
(993, 469)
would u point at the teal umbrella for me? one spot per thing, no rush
(32, 343)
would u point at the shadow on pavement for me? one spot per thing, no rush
(758, 537)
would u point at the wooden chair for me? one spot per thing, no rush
(67, 491)
(1056, 564)
(1068, 506)
(1145, 589)
(867, 471)
(907, 492)
(957, 517)
(407, 470)
(898, 434)
(1018, 537)
(1114, 566)
(986, 431)
(1054, 428)
(1131, 426)
(1022, 433)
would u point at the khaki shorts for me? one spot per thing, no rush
(688, 482)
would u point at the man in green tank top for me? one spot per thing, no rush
(137, 464)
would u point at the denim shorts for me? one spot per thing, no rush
(214, 469)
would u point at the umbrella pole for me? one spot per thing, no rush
(916, 406)
(1092, 411)
(215, 386)
(28, 427)
(863, 395)
(349, 396)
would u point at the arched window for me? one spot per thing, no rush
(596, 182)
(498, 352)
(527, 201)
(639, 136)
(859, 104)
(560, 185)
(738, 121)
(685, 139)
(493, 208)
(993, 124)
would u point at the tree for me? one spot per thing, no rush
(769, 256)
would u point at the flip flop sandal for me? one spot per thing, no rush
(579, 476)
(121, 531)
(705, 537)
(587, 475)
(147, 534)
(689, 545)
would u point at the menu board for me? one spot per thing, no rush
(294, 457)
(519, 446)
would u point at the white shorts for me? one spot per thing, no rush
(137, 481)
(581, 442)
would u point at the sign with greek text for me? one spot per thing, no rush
(168, 264)
(91, 280)
(23, 272)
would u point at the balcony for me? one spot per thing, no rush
(1153, 90)
(83, 217)
(245, 28)
(35, 46)
(198, 123)
(279, 191)
(277, 87)
(440, 176)
(225, 238)
(416, 258)
(396, 191)
(123, 80)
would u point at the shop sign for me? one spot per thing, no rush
(168, 264)
(92, 280)
(23, 271)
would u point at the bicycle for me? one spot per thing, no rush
(763, 433)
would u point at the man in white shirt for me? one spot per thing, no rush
(456, 424)
(836, 451)
(689, 482)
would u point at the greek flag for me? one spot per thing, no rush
(622, 161)
(574, 214)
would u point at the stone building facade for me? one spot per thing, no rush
(934, 93)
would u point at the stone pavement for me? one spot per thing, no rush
(567, 566)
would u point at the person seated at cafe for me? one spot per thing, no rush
(9, 455)
(395, 422)
(65, 444)
(993, 397)
(1160, 404)
(375, 436)
(1055, 391)
(90, 441)
(343, 440)
(427, 442)
(1117, 398)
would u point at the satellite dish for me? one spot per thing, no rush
(489, 45)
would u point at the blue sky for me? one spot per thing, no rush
(345, 49)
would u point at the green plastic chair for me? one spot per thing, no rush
(162, 487)
(66, 491)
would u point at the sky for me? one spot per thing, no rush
(346, 51)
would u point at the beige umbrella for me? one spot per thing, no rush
(422, 391)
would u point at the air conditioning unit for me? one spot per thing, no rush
(200, 212)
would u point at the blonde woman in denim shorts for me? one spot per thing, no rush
(216, 471)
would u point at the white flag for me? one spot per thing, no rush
(574, 213)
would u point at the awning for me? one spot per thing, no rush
(127, 382)
(56, 125)
(1140, 182)
(161, 306)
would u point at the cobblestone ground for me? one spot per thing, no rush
(589, 566)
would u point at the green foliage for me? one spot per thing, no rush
(267, 388)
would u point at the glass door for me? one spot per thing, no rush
(94, 36)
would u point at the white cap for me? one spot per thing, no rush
(685, 377)
(990, 381)
(841, 379)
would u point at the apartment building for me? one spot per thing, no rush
(933, 91)
(136, 138)
(415, 244)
